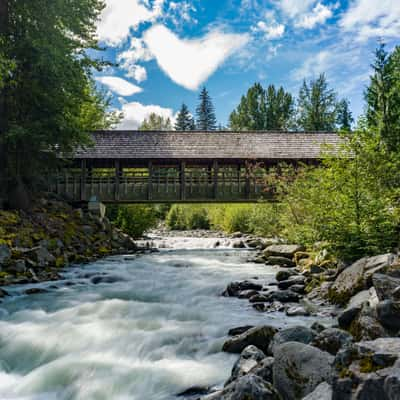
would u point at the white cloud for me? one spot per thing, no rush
(270, 31)
(372, 18)
(119, 16)
(135, 113)
(119, 85)
(180, 13)
(137, 72)
(293, 8)
(190, 62)
(318, 15)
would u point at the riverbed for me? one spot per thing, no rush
(142, 327)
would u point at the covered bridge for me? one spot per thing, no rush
(172, 166)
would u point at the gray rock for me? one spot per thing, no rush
(384, 352)
(248, 387)
(234, 288)
(246, 294)
(299, 369)
(264, 369)
(378, 264)
(258, 298)
(283, 250)
(5, 254)
(249, 358)
(258, 336)
(284, 296)
(385, 285)
(43, 257)
(239, 330)
(297, 311)
(238, 244)
(391, 385)
(322, 392)
(284, 274)
(318, 327)
(294, 280)
(19, 267)
(332, 340)
(300, 334)
(300, 289)
(367, 327)
(388, 312)
(281, 261)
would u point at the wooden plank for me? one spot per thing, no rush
(182, 168)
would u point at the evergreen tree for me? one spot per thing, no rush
(344, 115)
(263, 109)
(383, 97)
(184, 120)
(49, 101)
(317, 106)
(205, 114)
(156, 122)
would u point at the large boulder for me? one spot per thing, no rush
(293, 280)
(234, 288)
(284, 296)
(248, 387)
(281, 261)
(282, 250)
(332, 340)
(322, 392)
(378, 264)
(388, 313)
(299, 368)
(385, 285)
(284, 274)
(259, 336)
(264, 369)
(248, 359)
(299, 334)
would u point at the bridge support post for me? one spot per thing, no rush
(182, 168)
(117, 178)
(83, 181)
(248, 172)
(150, 182)
(216, 171)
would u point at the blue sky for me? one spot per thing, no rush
(167, 50)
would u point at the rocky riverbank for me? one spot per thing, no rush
(36, 245)
(358, 358)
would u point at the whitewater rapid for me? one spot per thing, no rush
(129, 327)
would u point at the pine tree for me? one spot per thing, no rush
(206, 120)
(383, 97)
(184, 120)
(155, 122)
(344, 115)
(263, 109)
(317, 106)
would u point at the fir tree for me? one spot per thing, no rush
(206, 120)
(184, 120)
(344, 115)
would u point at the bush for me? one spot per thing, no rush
(185, 217)
(134, 219)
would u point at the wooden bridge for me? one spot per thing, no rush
(147, 166)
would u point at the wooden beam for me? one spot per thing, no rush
(216, 171)
(83, 180)
(182, 171)
(150, 181)
(117, 179)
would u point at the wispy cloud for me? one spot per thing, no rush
(119, 86)
(189, 62)
(319, 14)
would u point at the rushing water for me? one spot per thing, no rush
(153, 330)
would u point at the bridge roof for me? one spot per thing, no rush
(207, 145)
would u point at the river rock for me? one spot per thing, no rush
(332, 340)
(297, 311)
(322, 392)
(18, 267)
(238, 244)
(264, 369)
(234, 288)
(282, 250)
(299, 334)
(284, 274)
(297, 288)
(246, 294)
(281, 261)
(284, 296)
(239, 330)
(259, 298)
(388, 313)
(293, 280)
(385, 285)
(248, 359)
(5, 254)
(391, 385)
(258, 336)
(299, 368)
(248, 387)
(43, 257)
(378, 264)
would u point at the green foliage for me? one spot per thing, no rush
(317, 106)
(156, 123)
(185, 217)
(184, 120)
(344, 116)
(50, 99)
(205, 113)
(135, 219)
(263, 109)
(383, 97)
(348, 202)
